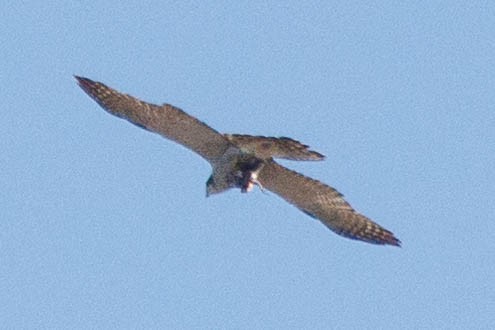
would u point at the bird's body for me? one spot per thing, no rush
(241, 161)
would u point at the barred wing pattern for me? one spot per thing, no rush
(166, 120)
(227, 153)
(323, 203)
(266, 147)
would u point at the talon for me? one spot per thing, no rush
(249, 182)
(253, 182)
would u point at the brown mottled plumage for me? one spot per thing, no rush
(324, 203)
(240, 161)
(266, 147)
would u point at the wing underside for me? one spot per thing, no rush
(311, 196)
(166, 120)
(266, 147)
(323, 203)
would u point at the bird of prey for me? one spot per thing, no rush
(243, 161)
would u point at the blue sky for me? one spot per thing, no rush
(104, 225)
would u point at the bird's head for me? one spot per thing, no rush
(215, 186)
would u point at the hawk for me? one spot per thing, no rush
(243, 161)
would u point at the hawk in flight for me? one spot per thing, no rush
(242, 161)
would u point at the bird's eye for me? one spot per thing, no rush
(210, 181)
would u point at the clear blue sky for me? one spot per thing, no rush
(105, 225)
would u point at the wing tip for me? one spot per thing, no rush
(392, 240)
(317, 155)
(381, 237)
(83, 80)
(86, 84)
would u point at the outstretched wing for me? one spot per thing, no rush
(323, 203)
(166, 120)
(266, 147)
